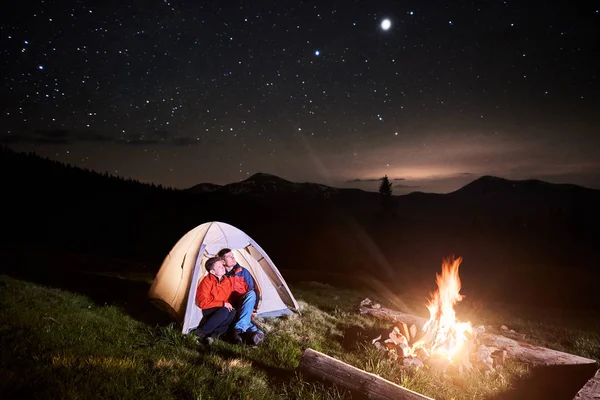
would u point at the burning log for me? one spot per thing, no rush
(372, 386)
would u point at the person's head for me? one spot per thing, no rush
(214, 265)
(228, 258)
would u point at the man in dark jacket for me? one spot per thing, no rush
(212, 296)
(245, 297)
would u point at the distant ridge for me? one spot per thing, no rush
(488, 185)
(263, 184)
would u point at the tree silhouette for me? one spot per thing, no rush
(385, 190)
(385, 187)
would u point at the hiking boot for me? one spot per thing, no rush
(257, 338)
(199, 336)
(236, 337)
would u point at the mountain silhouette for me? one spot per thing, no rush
(264, 185)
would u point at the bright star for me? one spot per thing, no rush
(317, 53)
(386, 24)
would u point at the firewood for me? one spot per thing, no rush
(413, 332)
(367, 384)
(403, 330)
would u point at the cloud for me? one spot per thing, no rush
(54, 136)
(67, 136)
(356, 180)
(366, 180)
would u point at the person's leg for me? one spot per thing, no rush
(214, 318)
(225, 323)
(243, 322)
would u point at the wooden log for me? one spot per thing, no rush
(404, 330)
(370, 385)
(522, 351)
(532, 354)
(591, 390)
(394, 316)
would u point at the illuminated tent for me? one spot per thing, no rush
(174, 288)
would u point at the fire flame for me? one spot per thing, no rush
(444, 335)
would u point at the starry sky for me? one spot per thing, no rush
(433, 94)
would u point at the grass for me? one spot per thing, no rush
(56, 343)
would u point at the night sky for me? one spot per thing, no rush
(183, 92)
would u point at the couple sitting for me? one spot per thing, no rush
(227, 294)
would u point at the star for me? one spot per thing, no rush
(386, 24)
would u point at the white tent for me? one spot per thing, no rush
(174, 288)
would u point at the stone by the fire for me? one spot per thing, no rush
(366, 302)
(380, 347)
(503, 327)
(412, 362)
(479, 329)
(484, 357)
(482, 353)
(376, 305)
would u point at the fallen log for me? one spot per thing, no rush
(535, 355)
(370, 385)
(591, 390)
(394, 316)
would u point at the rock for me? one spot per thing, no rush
(412, 362)
(482, 353)
(479, 329)
(366, 302)
(483, 357)
(380, 347)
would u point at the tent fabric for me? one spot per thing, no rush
(174, 288)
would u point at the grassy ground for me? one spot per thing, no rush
(57, 343)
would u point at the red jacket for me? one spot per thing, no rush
(212, 293)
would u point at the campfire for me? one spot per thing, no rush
(439, 343)
(443, 341)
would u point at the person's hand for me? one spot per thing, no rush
(228, 306)
(253, 314)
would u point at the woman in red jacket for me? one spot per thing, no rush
(212, 297)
